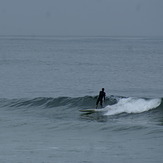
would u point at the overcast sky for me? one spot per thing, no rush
(82, 17)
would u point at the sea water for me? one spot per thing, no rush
(45, 82)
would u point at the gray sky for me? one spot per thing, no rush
(81, 17)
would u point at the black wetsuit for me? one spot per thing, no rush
(100, 97)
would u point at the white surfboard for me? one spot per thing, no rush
(92, 110)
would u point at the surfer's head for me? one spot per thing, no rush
(102, 89)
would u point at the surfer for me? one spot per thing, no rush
(101, 96)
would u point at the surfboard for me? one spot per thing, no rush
(90, 110)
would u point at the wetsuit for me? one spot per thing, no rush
(100, 97)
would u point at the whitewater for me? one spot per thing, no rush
(46, 81)
(133, 105)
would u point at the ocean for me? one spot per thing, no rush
(45, 81)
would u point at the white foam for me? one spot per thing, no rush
(132, 105)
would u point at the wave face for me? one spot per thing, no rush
(44, 102)
(113, 105)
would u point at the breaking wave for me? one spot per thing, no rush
(113, 105)
(132, 105)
